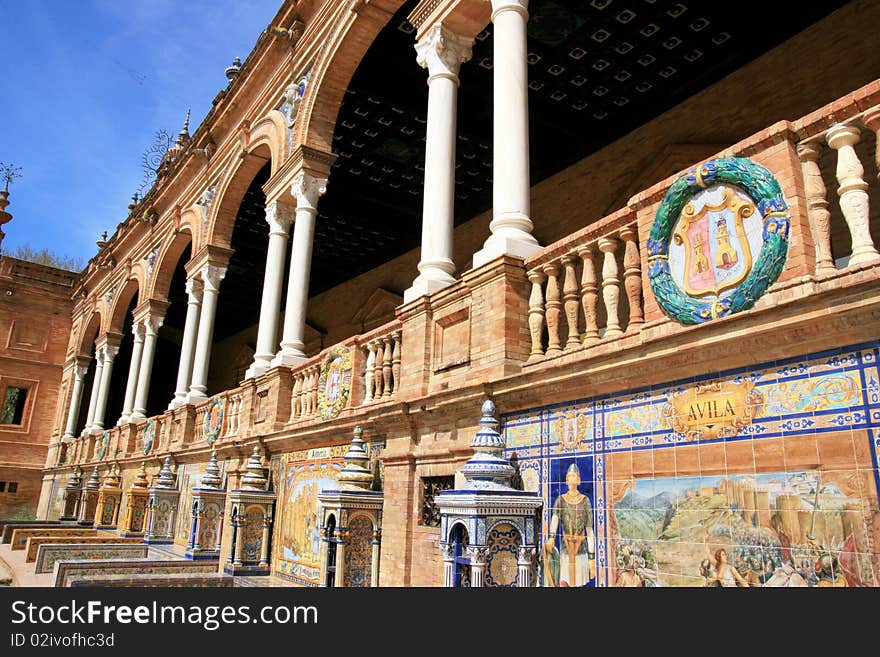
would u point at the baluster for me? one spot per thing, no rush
(295, 397)
(368, 373)
(610, 287)
(853, 192)
(553, 309)
(304, 394)
(316, 373)
(386, 367)
(589, 294)
(632, 277)
(536, 314)
(817, 206)
(871, 119)
(377, 373)
(571, 300)
(395, 361)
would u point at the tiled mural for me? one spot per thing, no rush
(302, 476)
(761, 476)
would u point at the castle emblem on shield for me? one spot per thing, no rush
(717, 253)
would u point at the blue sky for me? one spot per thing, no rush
(85, 86)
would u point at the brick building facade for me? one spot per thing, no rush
(334, 248)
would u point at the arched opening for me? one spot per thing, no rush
(119, 377)
(87, 346)
(461, 574)
(166, 360)
(238, 306)
(330, 578)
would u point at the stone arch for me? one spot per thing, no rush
(331, 73)
(231, 192)
(122, 299)
(191, 221)
(90, 332)
(270, 131)
(166, 263)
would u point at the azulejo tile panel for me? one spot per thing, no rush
(789, 516)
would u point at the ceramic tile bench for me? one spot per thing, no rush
(157, 580)
(34, 542)
(20, 536)
(47, 555)
(91, 569)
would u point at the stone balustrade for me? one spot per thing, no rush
(842, 229)
(381, 349)
(586, 288)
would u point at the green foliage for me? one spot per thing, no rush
(46, 257)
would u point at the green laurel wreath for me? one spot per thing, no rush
(766, 193)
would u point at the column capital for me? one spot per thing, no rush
(211, 277)
(519, 6)
(149, 310)
(108, 341)
(443, 52)
(80, 368)
(194, 290)
(137, 330)
(307, 189)
(279, 216)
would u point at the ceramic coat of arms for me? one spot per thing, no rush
(334, 383)
(718, 241)
(148, 435)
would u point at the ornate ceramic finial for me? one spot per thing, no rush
(487, 468)
(185, 130)
(255, 477)
(94, 481)
(141, 479)
(112, 478)
(232, 71)
(9, 172)
(355, 474)
(211, 478)
(166, 476)
(75, 480)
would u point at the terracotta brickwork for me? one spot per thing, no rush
(34, 325)
(492, 332)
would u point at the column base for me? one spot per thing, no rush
(178, 401)
(288, 359)
(863, 256)
(96, 431)
(424, 286)
(195, 396)
(518, 246)
(123, 420)
(260, 366)
(136, 416)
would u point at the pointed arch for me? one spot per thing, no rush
(331, 74)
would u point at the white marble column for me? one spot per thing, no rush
(279, 218)
(151, 329)
(96, 385)
(134, 367)
(194, 291)
(442, 53)
(211, 277)
(110, 348)
(79, 375)
(511, 225)
(307, 189)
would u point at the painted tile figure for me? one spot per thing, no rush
(570, 561)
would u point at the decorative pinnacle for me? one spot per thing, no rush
(75, 480)
(255, 477)
(355, 475)
(112, 478)
(103, 241)
(166, 476)
(232, 71)
(211, 478)
(141, 479)
(487, 468)
(94, 482)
